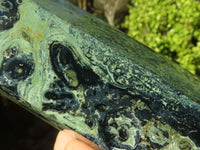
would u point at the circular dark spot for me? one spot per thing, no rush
(63, 60)
(118, 124)
(84, 106)
(123, 134)
(18, 68)
(157, 137)
(9, 14)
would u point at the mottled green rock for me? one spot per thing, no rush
(75, 71)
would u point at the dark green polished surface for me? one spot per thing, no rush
(75, 71)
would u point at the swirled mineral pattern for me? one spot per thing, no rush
(75, 71)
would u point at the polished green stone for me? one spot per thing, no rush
(74, 71)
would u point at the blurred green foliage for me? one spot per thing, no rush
(170, 27)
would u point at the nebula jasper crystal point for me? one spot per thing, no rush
(75, 71)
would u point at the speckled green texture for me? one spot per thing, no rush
(75, 71)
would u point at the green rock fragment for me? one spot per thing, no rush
(75, 71)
